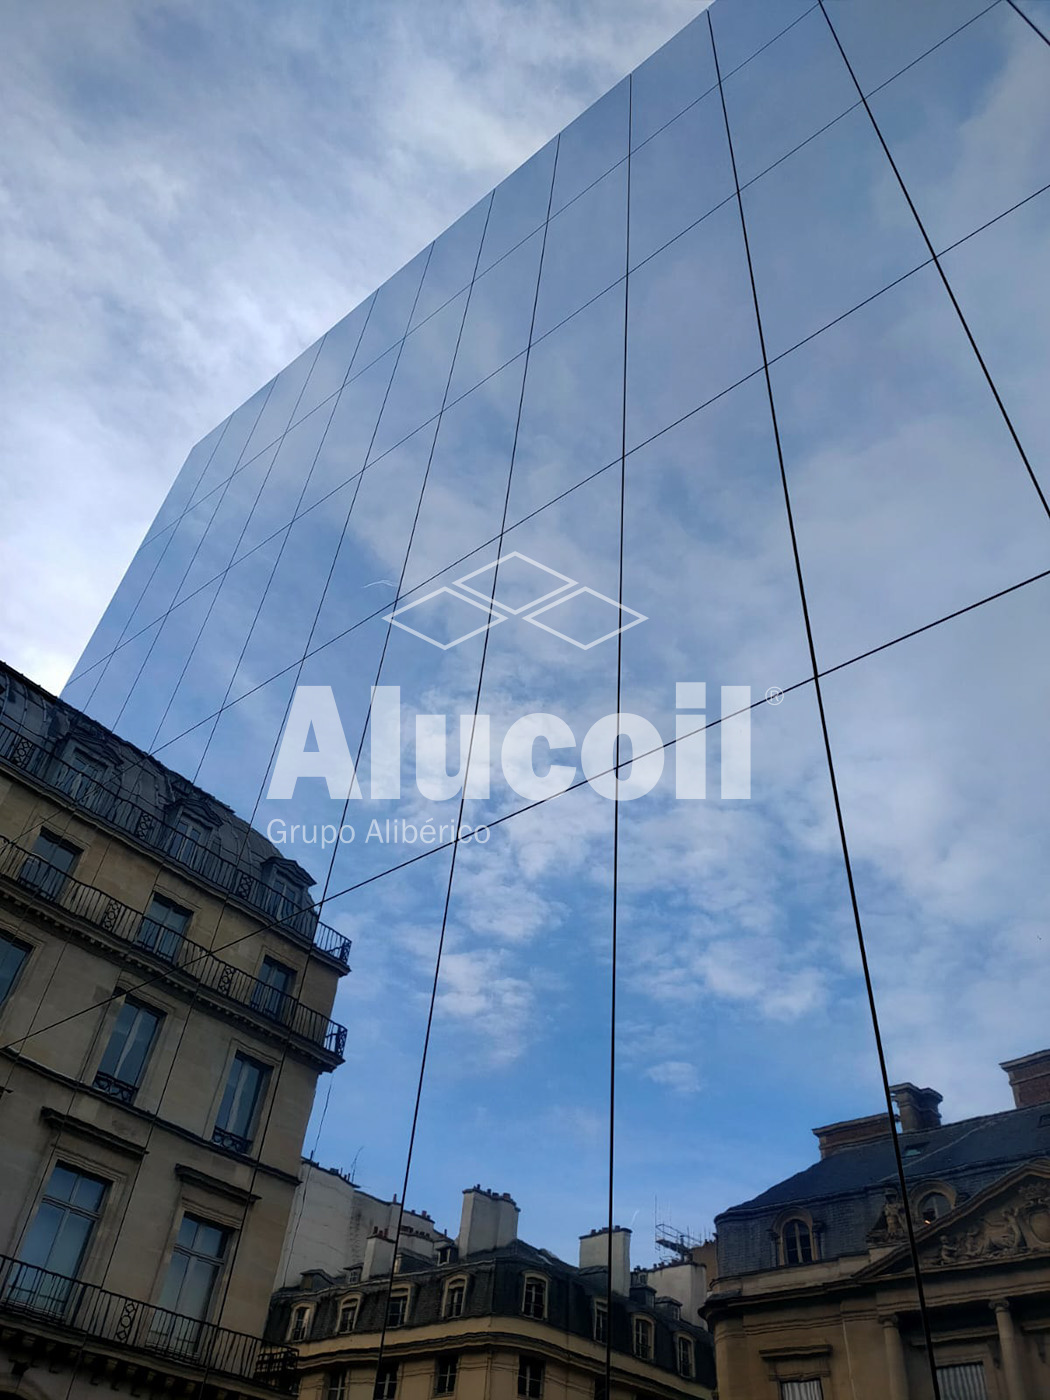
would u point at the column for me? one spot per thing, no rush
(1010, 1347)
(896, 1370)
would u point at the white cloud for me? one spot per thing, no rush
(187, 199)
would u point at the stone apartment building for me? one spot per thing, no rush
(815, 1296)
(165, 999)
(489, 1317)
(333, 1219)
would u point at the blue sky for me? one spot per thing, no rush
(742, 1019)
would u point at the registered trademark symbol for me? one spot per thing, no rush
(774, 695)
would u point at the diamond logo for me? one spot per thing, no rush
(518, 578)
(585, 618)
(527, 589)
(444, 618)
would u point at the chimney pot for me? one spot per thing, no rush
(918, 1108)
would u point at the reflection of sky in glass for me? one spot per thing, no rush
(483, 389)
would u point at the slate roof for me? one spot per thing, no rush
(993, 1140)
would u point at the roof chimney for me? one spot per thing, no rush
(379, 1255)
(594, 1254)
(1029, 1078)
(917, 1108)
(489, 1221)
(834, 1137)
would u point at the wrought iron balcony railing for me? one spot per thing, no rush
(89, 1311)
(22, 752)
(167, 946)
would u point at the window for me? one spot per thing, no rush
(272, 988)
(962, 1382)
(932, 1206)
(446, 1254)
(335, 1384)
(196, 1261)
(12, 955)
(57, 1240)
(601, 1321)
(240, 1103)
(185, 840)
(51, 861)
(796, 1243)
(397, 1308)
(121, 1066)
(347, 1314)
(601, 1390)
(284, 896)
(163, 927)
(643, 1338)
(455, 1297)
(353, 1274)
(684, 1348)
(534, 1297)
(386, 1381)
(300, 1324)
(801, 1390)
(84, 776)
(530, 1378)
(445, 1375)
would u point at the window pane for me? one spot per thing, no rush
(133, 1033)
(12, 956)
(241, 1098)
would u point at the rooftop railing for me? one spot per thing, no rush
(22, 752)
(88, 1311)
(167, 945)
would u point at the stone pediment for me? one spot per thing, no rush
(1008, 1220)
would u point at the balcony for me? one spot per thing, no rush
(165, 945)
(144, 825)
(69, 1305)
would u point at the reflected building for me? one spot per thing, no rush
(486, 1316)
(737, 384)
(815, 1294)
(163, 1025)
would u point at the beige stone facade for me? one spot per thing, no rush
(165, 993)
(490, 1318)
(816, 1298)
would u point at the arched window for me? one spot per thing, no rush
(347, 1318)
(455, 1297)
(796, 1242)
(932, 1206)
(397, 1308)
(642, 1334)
(300, 1323)
(534, 1296)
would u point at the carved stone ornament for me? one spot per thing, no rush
(891, 1224)
(1020, 1226)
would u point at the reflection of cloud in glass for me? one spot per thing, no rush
(743, 1020)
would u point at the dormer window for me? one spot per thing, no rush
(534, 1296)
(300, 1324)
(285, 899)
(643, 1338)
(397, 1308)
(455, 1297)
(684, 1349)
(933, 1206)
(186, 840)
(347, 1314)
(85, 775)
(796, 1242)
(601, 1320)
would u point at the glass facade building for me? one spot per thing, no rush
(742, 381)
